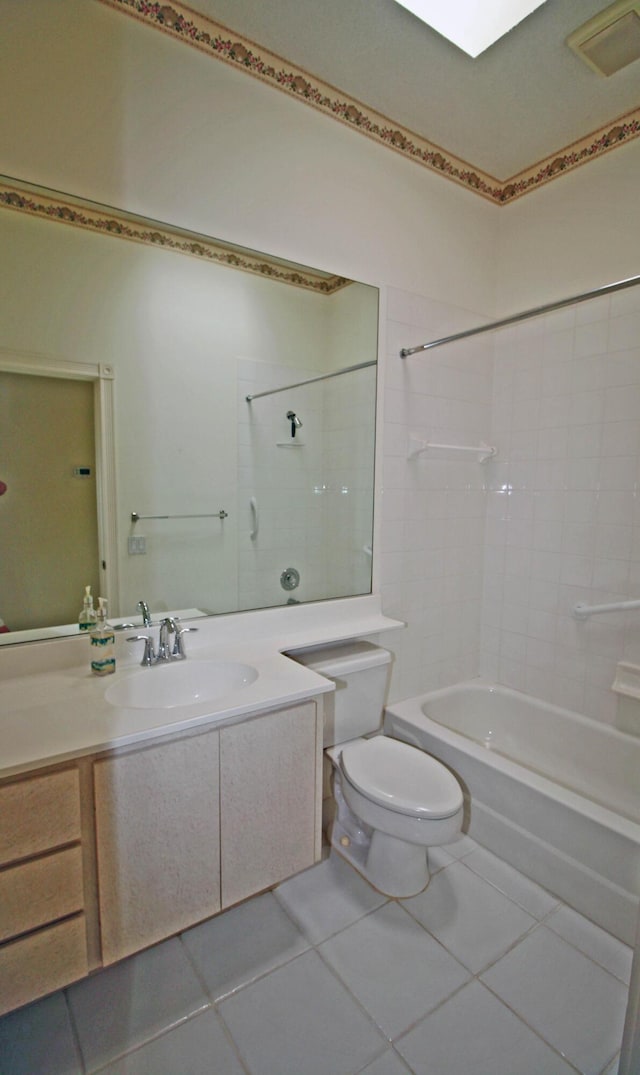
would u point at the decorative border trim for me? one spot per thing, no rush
(223, 44)
(54, 208)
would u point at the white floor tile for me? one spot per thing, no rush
(39, 1039)
(387, 1064)
(526, 893)
(560, 985)
(300, 1020)
(474, 921)
(327, 898)
(571, 1002)
(600, 946)
(461, 847)
(133, 1001)
(438, 858)
(242, 944)
(394, 967)
(474, 1032)
(200, 1046)
(612, 1068)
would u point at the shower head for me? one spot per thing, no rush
(295, 422)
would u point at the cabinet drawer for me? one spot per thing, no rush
(42, 962)
(35, 893)
(37, 814)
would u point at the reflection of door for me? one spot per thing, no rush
(48, 515)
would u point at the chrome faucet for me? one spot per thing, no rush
(168, 626)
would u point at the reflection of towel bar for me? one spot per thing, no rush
(253, 504)
(214, 515)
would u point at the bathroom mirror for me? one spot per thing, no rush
(166, 483)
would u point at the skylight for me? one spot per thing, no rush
(472, 25)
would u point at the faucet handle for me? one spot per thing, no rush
(178, 652)
(148, 657)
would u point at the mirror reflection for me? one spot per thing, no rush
(177, 423)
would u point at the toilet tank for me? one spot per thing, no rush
(360, 672)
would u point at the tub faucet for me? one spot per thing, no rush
(146, 615)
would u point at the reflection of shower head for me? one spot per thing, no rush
(295, 422)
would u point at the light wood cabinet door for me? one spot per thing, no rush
(158, 842)
(270, 797)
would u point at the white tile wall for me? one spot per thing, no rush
(485, 562)
(563, 517)
(433, 506)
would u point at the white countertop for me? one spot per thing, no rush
(52, 708)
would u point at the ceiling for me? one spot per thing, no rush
(525, 98)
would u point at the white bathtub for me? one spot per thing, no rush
(555, 794)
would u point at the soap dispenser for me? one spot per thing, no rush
(103, 643)
(87, 618)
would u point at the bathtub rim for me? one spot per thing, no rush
(411, 708)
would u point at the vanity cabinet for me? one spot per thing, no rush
(43, 942)
(188, 827)
(129, 847)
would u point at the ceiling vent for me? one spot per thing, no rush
(611, 40)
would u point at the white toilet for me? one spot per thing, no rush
(393, 801)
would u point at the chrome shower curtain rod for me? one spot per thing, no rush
(311, 380)
(524, 316)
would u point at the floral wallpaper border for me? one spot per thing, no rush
(217, 41)
(40, 205)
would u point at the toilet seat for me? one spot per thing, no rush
(401, 778)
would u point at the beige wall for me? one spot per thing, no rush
(580, 232)
(48, 525)
(104, 107)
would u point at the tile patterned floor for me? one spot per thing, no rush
(485, 972)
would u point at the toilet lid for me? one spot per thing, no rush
(401, 777)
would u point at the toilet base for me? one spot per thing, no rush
(395, 868)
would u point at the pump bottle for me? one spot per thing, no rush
(87, 618)
(103, 643)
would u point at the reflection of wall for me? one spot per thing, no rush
(313, 491)
(349, 443)
(48, 524)
(172, 328)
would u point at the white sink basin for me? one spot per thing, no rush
(166, 686)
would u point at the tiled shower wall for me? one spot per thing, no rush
(563, 514)
(433, 505)
(485, 562)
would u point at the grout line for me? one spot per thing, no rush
(147, 1041)
(531, 1028)
(74, 1030)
